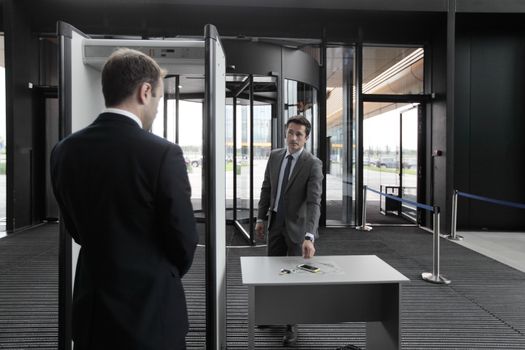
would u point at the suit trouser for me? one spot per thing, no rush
(279, 243)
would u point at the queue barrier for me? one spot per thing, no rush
(454, 216)
(434, 276)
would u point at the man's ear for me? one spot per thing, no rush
(144, 92)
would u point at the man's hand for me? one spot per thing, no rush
(259, 229)
(308, 249)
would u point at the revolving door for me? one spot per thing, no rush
(250, 122)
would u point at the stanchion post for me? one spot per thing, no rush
(435, 276)
(454, 224)
(363, 226)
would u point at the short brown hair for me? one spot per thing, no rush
(299, 119)
(125, 70)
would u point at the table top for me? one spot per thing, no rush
(334, 269)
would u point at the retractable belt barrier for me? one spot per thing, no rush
(456, 194)
(434, 276)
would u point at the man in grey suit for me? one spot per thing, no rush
(290, 198)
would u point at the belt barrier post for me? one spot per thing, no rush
(435, 277)
(363, 226)
(453, 226)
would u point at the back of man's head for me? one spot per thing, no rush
(126, 70)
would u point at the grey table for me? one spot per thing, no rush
(349, 288)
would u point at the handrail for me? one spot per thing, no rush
(492, 200)
(434, 276)
(399, 199)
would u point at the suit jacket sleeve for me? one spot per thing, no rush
(176, 220)
(313, 196)
(56, 183)
(264, 199)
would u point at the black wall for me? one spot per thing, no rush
(490, 119)
(1, 15)
(164, 19)
(436, 118)
(21, 56)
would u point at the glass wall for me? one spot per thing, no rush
(190, 140)
(189, 136)
(393, 70)
(240, 135)
(262, 145)
(390, 129)
(390, 139)
(340, 208)
(387, 141)
(301, 99)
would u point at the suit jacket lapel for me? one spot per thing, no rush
(297, 169)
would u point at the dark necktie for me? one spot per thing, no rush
(281, 206)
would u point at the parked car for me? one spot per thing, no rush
(196, 162)
(410, 164)
(388, 163)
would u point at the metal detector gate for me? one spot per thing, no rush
(80, 101)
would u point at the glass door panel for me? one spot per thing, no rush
(381, 154)
(250, 116)
(262, 146)
(341, 148)
(242, 156)
(189, 133)
(390, 156)
(229, 158)
(170, 122)
(301, 99)
(190, 140)
(409, 142)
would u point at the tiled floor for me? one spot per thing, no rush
(505, 247)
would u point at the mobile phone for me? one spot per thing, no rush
(308, 268)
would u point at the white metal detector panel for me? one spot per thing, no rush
(86, 103)
(217, 71)
(181, 57)
(184, 58)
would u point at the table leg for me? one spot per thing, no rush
(251, 316)
(385, 335)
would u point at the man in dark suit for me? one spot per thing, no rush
(290, 198)
(124, 196)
